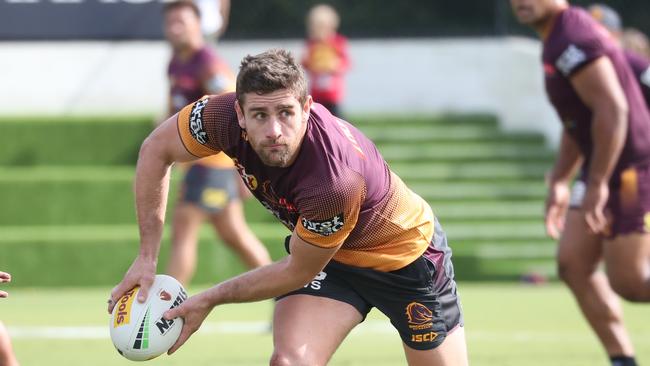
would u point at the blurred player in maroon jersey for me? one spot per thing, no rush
(360, 238)
(326, 57)
(211, 188)
(7, 357)
(606, 132)
(640, 64)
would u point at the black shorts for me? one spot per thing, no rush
(210, 188)
(420, 299)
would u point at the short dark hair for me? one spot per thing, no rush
(179, 4)
(269, 71)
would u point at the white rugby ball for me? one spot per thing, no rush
(138, 330)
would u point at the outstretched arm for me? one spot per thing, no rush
(278, 278)
(159, 151)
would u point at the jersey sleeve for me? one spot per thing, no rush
(209, 125)
(583, 43)
(330, 211)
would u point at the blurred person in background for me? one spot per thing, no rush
(212, 188)
(636, 41)
(326, 57)
(639, 62)
(7, 357)
(606, 133)
(214, 18)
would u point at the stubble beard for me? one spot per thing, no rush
(279, 158)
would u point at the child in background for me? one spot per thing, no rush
(634, 40)
(326, 59)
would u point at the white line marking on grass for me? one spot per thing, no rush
(262, 327)
(80, 332)
(102, 332)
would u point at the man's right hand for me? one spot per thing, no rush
(141, 273)
(557, 204)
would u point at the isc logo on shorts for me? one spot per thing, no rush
(426, 337)
(315, 284)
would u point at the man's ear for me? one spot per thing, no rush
(306, 108)
(240, 115)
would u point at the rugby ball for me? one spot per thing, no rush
(138, 330)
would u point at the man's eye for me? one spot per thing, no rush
(259, 115)
(286, 113)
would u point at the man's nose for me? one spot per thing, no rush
(273, 129)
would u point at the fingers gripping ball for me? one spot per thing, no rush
(138, 330)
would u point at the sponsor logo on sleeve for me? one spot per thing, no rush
(570, 59)
(324, 227)
(196, 122)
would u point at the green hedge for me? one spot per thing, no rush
(84, 261)
(72, 141)
(111, 202)
(80, 197)
(88, 261)
(104, 196)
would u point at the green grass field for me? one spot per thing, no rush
(506, 324)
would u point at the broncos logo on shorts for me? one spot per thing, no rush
(418, 314)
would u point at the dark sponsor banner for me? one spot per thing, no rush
(80, 19)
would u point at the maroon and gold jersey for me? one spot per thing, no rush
(339, 188)
(576, 40)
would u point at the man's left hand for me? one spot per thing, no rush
(193, 311)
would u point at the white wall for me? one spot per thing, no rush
(501, 76)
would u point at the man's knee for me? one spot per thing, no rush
(290, 358)
(631, 289)
(569, 272)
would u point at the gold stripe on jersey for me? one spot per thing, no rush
(397, 253)
(221, 160)
(191, 144)
(392, 234)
